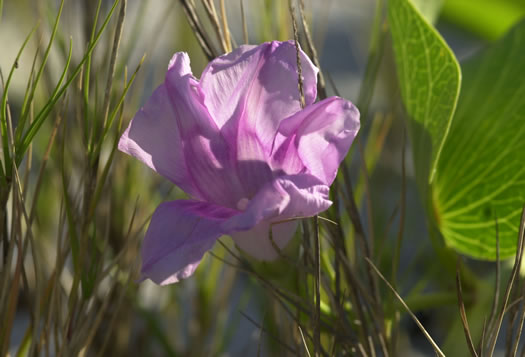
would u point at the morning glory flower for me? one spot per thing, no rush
(239, 144)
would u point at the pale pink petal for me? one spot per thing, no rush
(179, 234)
(181, 231)
(207, 154)
(153, 137)
(175, 135)
(259, 84)
(318, 137)
(248, 92)
(286, 197)
(257, 243)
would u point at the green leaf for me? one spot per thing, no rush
(481, 174)
(429, 77)
(488, 19)
(429, 8)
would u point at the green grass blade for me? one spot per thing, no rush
(3, 109)
(115, 111)
(87, 71)
(29, 99)
(73, 237)
(42, 115)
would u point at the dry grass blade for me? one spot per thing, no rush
(372, 349)
(224, 261)
(298, 59)
(517, 338)
(402, 208)
(338, 241)
(304, 341)
(332, 84)
(462, 312)
(278, 340)
(353, 213)
(225, 27)
(44, 159)
(375, 55)
(514, 303)
(114, 316)
(283, 304)
(495, 302)
(244, 25)
(416, 320)
(209, 6)
(11, 305)
(11, 292)
(317, 258)
(362, 350)
(368, 196)
(284, 298)
(321, 85)
(259, 342)
(481, 345)
(18, 194)
(359, 297)
(520, 295)
(317, 288)
(495, 328)
(113, 60)
(198, 30)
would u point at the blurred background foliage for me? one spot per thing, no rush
(484, 18)
(76, 209)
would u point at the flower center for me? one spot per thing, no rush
(242, 204)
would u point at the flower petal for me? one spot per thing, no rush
(248, 92)
(154, 138)
(322, 134)
(206, 153)
(284, 198)
(258, 84)
(181, 231)
(179, 234)
(175, 135)
(257, 243)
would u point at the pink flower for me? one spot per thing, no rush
(239, 144)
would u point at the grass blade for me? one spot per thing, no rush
(400, 299)
(42, 115)
(463, 313)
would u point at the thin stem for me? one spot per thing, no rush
(317, 315)
(198, 30)
(400, 299)
(399, 241)
(493, 336)
(214, 19)
(463, 313)
(321, 84)
(225, 27)
(244, 24)
(298, 54)
(113, 61)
